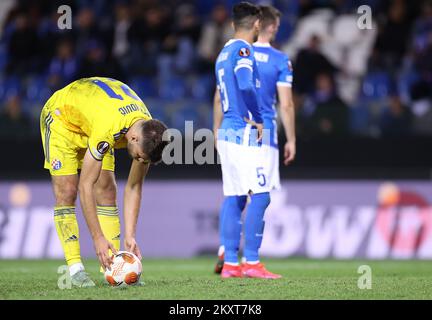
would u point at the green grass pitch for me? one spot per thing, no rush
(194, 279)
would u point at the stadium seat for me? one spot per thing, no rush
(172, 89)
(3, 57)
(202, 87)
(186, 111)
(9, 86)
(376, 85)
(360, 118)
(143, 86)
(37, 90)
(404, 83)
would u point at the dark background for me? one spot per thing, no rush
(161, 49)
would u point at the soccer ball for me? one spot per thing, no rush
(125, 270)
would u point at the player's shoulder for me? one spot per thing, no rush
(240, 47)
(279, 54)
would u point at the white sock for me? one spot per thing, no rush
(252, 262)
(232, 263)
(75, 268)
(221, 250)
(243, 260)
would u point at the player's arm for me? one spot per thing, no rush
(132, 203)
(244, 76)
(90, 172)
(217, 114)
(287, 111)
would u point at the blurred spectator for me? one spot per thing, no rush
(395, 119)
(147, 33)
(13, 123)
(22, 47)
(216, 32)
(121, 44)
(331, 115)
(5, 7)
(97, 63)
(63, 67)
(309, 63)
(179, 54)
(86, 29)
(393, 36)
(421, 94)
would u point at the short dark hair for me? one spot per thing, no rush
(269, 16)
(153, 143)
(245, 14)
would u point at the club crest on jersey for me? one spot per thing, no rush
(102, 147)
(244, 52)
(56, 164)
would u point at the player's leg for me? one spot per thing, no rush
(254, 220)
(221, 250)
(107, 210)
(234, 203)
(61, 160)
(254, 229)
(65, 192)
(232, 227)
(254, 225)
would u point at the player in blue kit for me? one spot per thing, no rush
(242, 146)
(275, 72)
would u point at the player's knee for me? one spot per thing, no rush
(107, 192)
(261, 199)
(236, 201)
(66, 194)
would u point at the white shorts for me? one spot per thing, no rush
(248, 168)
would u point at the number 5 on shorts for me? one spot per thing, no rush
(261, 177)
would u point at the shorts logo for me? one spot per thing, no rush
(56, 164)
(244, 52)
(102, 147)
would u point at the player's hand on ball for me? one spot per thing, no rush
(102, 247)
(131, 246)
(289, 152)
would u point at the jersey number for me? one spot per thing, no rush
(223, 90)
(261, 177)
(110, 92)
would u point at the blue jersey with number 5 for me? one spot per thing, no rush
(238, 82)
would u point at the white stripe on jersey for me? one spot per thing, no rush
(243, 66)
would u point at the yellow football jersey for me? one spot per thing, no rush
(101, 109)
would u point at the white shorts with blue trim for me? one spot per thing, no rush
(248, 169)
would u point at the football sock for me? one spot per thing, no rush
(254, 225)
(67, 230)
(232, 227)
(75, 268)
(221, 224)
(110, 224)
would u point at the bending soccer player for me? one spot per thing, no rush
(81, 125)
(275, 71)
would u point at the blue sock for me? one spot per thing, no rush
(232, 226)
(222, 214)
(254, 225)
